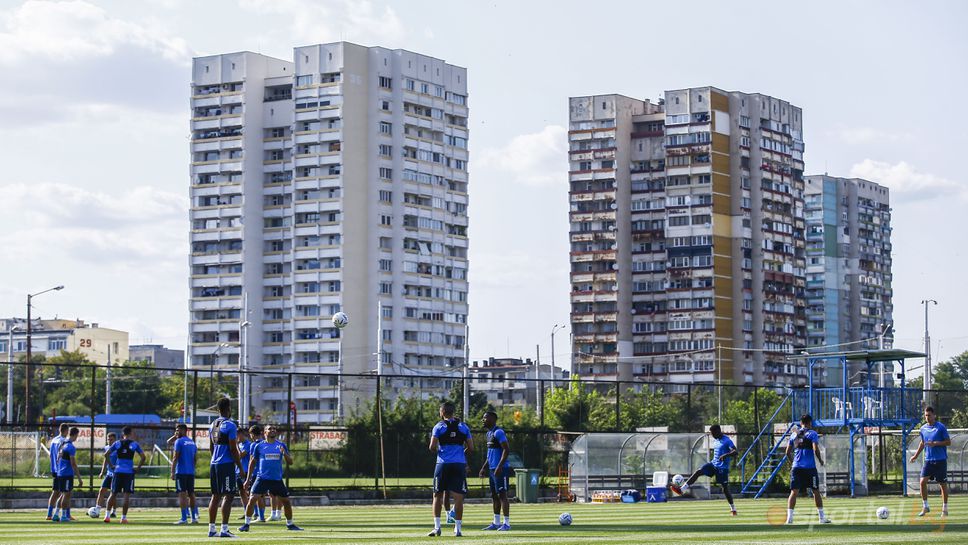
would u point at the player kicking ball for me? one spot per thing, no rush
(804, 451)
(723, 450)
(266, 465)
(935, 441)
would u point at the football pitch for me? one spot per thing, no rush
(703, 522)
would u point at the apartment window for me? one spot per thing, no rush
(386, 127)
(386, 311)
(386, 83)
(386, 265)
(385, 105)
(386, 196)
(386, 220)
(386, 288)
(386, 150)
(58, 344)
(386, 173)
(304, 80)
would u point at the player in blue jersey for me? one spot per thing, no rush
(107, 476)
(804, 451)
(53, 446)
(245, 452)
(497, 470)
(223, 435)
(256, 436)
(451, 440)
(66, 470)
(934, 442)
(184, 455)
(124, 471)
(265, 469)
(723, 450)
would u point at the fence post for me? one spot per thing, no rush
(194, 402)
(90, 476)
(540, 399)
(689, 405)
(290, 435)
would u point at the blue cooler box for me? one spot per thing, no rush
(655, 494)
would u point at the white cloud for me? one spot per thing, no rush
(319, 22)
(537, 158)
(61, 225)
(68, 31)
(906, 182)
(73, 62)
(869, 135)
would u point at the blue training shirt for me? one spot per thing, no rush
(803, 443)
(54, 447)
(221, 432)
(451, 436)
(937, 432)
(495, 437)
(125, 450)
(112, 459)
(722, 446)
(245, 452)
(268, 459)
(186, 450)
(65, 453)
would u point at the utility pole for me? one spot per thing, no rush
(537, 382)
(107, 382)
(928, 372)
(466, 402)
(9, 414)
(719, 380)
(553, 330)
(29, 355)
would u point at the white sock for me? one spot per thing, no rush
(276, 513)
(248, 519)
(288, 522)
(57, 511)
(820, 512)
(507, 520)
(944, 506)
(211, 527)
(497, 519)
(225, 528)
(124, 517)
(924, 503)
(457, 525)
(732, 507)
(789, 514)
(436, 523)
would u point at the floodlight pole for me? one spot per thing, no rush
(928, 376)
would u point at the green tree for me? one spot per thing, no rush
(571, 408)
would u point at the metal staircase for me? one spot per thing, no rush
(757, 482)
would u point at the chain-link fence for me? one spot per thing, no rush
(368, 432)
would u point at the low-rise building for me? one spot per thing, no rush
(158, 355)
(513, 381)
(51, 337)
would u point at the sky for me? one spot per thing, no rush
(94, 127)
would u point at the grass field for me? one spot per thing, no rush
(705, 522)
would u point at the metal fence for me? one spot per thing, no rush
(374, 445)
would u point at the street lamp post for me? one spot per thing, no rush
(554, 329)
(243, 377)
(9, 414)
(30, 297)
(211, 368)
(928, 376)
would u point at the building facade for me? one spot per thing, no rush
(332, 181)
(513, 381)
(687, 237)
(51, 337)
(158, 356)
(849, 283)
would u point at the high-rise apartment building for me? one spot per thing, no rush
(687, 237)
(334, 181)
(849, 293)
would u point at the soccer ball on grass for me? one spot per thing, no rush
(564, 519)
(93, 512)
(883, 512)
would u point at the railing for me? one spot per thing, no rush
(768, 426)
(860, 403)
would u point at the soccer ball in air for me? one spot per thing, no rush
(883, 512)
(93, 512)
(564, 519)
(341, 320)
(678, 480)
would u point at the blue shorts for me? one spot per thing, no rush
(223, 479)
(108, 481)
(935, 470)
(123, 482)
(499, 484)
(265, 486)
(184, 483)
(64, 484)
(802, 478)
(721, 474)
(450, 478)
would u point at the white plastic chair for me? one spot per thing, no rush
(871, 407)
(839, 407)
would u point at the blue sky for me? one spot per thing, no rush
(94, 133)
